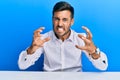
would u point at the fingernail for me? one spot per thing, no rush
(40, 30)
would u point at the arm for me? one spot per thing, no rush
(29, 56)
(25, 60)
(101, 63)
(98, 59)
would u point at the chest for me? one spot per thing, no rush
(66, 49)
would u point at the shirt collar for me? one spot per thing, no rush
(70, 38)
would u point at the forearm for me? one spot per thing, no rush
(26, 60)
(101, 63)
(23, 61)
(31, 49)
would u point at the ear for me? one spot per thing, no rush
(72, 21)
(52, 20)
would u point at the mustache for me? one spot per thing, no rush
(59, 26)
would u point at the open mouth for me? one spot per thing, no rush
(60, 29)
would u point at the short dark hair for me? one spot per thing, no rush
(62, 5)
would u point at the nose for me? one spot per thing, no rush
(60, 23)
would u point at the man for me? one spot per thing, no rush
(62, 47)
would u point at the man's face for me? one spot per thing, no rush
(61, 22)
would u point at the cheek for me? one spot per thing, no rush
(67, 26)
(55, 24)
(54, 27)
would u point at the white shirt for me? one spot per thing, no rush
(61, 56)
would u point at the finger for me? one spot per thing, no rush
(46, 39)
(38, 31)
(89, 34)
(36, 36)
(84, 39)
(80, 36)
(81, 48)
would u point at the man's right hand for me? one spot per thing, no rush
(37, 41)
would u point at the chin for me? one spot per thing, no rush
(61, 34)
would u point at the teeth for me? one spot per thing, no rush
(60, 29)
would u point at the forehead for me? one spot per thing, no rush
(62, 14)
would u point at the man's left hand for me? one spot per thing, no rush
(89, 45)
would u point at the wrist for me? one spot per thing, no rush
(96, 53)
(31, 49)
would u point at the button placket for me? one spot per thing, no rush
(62, 55)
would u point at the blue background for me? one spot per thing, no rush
(19, 18)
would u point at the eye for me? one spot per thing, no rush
(65, 19)
(56, 19)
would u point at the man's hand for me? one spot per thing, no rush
(37, 41)
(89, 45)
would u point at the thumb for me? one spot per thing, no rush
(46, 39)
(81, 48)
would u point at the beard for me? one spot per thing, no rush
(60, 35)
